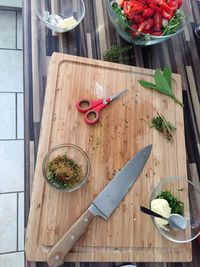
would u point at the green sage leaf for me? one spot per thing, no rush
(162, 84)
(167, 73)
(148, 84)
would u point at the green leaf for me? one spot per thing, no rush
(177, 101)
(148, 84)
(174, 23)
(162, 84)
(167, 73)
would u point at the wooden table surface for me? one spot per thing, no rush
(91, 39)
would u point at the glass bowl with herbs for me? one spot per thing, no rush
(66, 167)
(177, 195)
(148, 22)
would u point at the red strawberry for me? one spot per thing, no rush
(121, 3)
(166, 15)
(173, 4)
(155, 8)
(179, 3)
(141, 27)
(165, 7)
(148, 23)
(151, 2)
(157, 22)
(138, 19)
(156, 33)
(148, 13)
(135, 28)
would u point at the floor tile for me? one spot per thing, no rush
(7, 116)
(21, 221)
(11, 74)
(19, 30)
(11, 3)
(7, 29)
(20, 116)
(8, 225)
(12, 260)
(12, 166)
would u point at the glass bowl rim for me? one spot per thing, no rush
(66, 145)
(54, 27)
(164, 180)
(147, 35)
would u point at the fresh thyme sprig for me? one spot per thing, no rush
(116, 54)
(162, 125)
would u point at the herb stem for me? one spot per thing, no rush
(178, 102)
(163, 126)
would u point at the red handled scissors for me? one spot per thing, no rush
(91, 108)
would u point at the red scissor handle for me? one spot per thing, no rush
(91, 108)
(86, 104)
(92, 115)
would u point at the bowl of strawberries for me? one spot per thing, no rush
(148, 22)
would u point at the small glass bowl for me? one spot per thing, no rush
(74, 153)
(146, 39)
(51, 11)
(189, 193)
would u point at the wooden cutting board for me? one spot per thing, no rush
(121, 132)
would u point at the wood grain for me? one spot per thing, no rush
(56, 256)
(120, 133)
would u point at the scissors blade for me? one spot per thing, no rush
(113, 97)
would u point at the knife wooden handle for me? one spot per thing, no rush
(56, 255)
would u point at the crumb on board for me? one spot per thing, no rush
(38, 206)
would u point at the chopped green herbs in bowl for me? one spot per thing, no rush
(176, 206)
(66, 167)
(177, 195)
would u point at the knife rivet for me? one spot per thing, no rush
(86, 220)
(72, 237)
(57, 257)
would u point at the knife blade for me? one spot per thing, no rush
(103, 205)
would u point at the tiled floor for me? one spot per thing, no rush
(11, 3)
(11, 136)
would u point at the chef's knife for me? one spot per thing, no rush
(103, 206)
